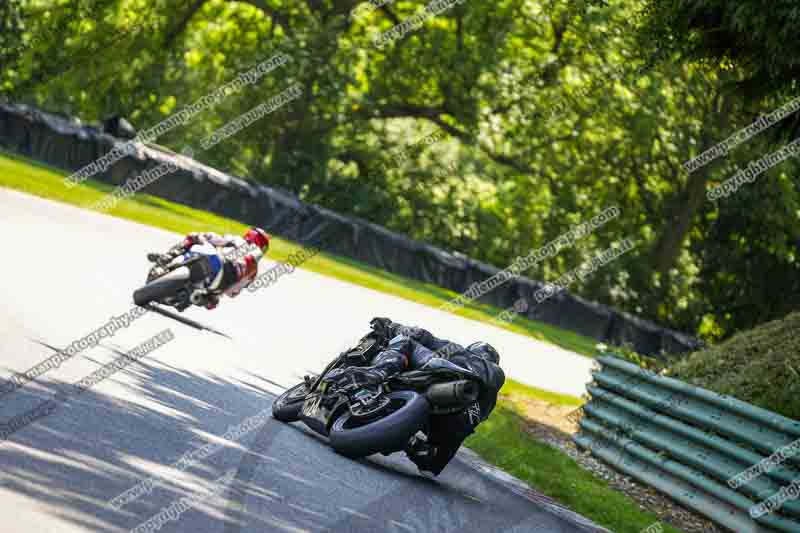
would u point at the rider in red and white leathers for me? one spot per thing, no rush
(233, 261)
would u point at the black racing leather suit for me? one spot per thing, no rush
(412, 348)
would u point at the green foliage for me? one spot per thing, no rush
(550, 111)
(11, 29)
(627, 353)
(760, 366)
(756, 37)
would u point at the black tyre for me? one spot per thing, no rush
(163, 287)
(355, 438)
(287, 406)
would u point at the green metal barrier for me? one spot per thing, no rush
(688, 442)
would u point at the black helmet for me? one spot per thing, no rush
(484, 350)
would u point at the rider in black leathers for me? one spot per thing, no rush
(413, 348)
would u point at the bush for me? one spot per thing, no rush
(760, 366)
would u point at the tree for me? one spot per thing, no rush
(545, 113)
(754, 38)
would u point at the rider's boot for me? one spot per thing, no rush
(422, 453)
(163, 259)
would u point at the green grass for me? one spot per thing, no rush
(512, 387)
(555, 474)
(41, 180)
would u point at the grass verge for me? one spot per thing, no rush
(41, 180)
(550, 471)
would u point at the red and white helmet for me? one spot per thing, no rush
(258, 237)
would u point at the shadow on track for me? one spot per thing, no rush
(286, 478)
(94, 446)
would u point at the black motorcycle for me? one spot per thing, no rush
(363, 420)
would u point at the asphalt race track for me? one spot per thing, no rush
(67, 271)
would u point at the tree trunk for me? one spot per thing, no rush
(679, 224)
(671, 242)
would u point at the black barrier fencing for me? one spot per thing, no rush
(70, 145)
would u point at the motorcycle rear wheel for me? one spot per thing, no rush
(356, 438)
(288, 405)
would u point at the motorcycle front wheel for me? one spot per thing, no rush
(355, 437)
(163, 287)
(288, 405)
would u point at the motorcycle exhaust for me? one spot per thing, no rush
(452, 393)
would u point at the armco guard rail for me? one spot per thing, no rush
(688, 442)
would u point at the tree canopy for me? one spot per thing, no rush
(756, 37)
(489, 129)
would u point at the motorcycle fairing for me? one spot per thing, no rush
(213, 262)
(319, 414)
